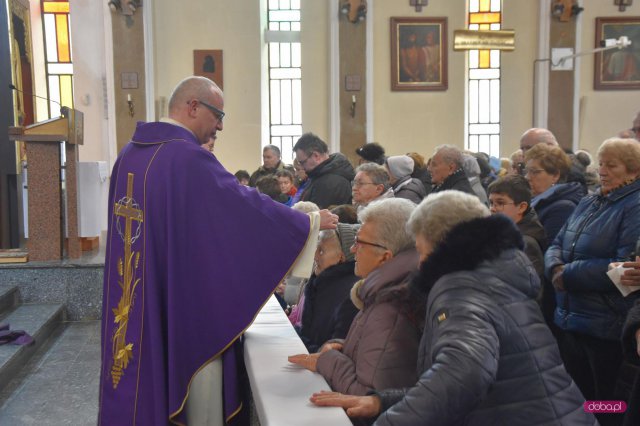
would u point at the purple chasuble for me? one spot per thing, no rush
(191, 258)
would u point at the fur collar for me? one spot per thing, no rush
(468, 245)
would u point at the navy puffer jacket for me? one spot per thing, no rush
(601, 230)
(486, 356)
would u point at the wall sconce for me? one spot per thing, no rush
(356, 10)
(565, 9)
(418, 4)
(132, 110)
(622, 4)
(128, 8)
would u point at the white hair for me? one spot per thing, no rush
(306, 207)
(390, 217)
(440, 212)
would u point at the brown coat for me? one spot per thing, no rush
(381, 348)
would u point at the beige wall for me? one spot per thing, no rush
(403, 121)
(603, 113)
(234, 27)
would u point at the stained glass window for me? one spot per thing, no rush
(483, 80)
(59, 65)
(285, 75)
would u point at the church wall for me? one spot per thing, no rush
(88, 55)
(603, 113)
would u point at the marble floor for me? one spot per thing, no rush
(59, 385)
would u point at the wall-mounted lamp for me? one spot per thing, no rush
(124, 8)
(352, 108)
(356, 10)
(418, 4)
(132, 110)
(622, 4)
(563, 10)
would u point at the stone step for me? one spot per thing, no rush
(9, 299)
(39, 320)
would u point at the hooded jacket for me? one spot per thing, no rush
(409, 188)
(330, 182)
(382, 345)
(486, 357)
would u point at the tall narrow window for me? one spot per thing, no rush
(483, 79)
(57, 43)
(285, 84)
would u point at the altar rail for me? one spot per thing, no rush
(281, 390)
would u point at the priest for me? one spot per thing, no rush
(191, 258)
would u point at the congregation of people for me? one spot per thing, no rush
(460, 288)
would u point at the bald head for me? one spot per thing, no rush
(534, 136)
(193, 87)
(197, 103)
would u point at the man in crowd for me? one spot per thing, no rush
(271, 163)
(330, 175)
(534, 136)
(447, 172)
(177, 290)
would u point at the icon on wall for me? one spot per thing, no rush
(208, 63)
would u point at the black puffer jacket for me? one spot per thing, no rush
(458, 181)
(486, 356)
(328, 309)
(330, 182)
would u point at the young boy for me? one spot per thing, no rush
(511, 196)
(285, 180)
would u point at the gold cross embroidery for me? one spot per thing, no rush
(122, 351)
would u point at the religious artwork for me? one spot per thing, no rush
(208, 63)
(617, 69)
(419, 53)
(128, 209)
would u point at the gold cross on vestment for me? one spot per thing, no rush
(123, 351)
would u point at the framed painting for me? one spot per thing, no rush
(208, 63)
(419, 53)
(617, 69)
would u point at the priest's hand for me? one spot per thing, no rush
(328, 220)
(356, 406)
(308, 361)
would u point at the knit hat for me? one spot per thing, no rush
(373, 152)
(347, 236)
(400, 166)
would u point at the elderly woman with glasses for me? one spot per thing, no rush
(381, 347)
(554, 199)
(372, 182)
(590, 310)
(486, 356)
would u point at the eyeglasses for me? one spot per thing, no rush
(305, 160)
(358, 242)
(533, 172)
(357, 184)
(218, 113)
(499, 204)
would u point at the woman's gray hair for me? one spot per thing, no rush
(625, 150)
(377, 173)
(440, 212)
(306, 207)
(390, 217)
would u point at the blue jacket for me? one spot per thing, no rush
(486, 356)
(555, 205)
(601, 230)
